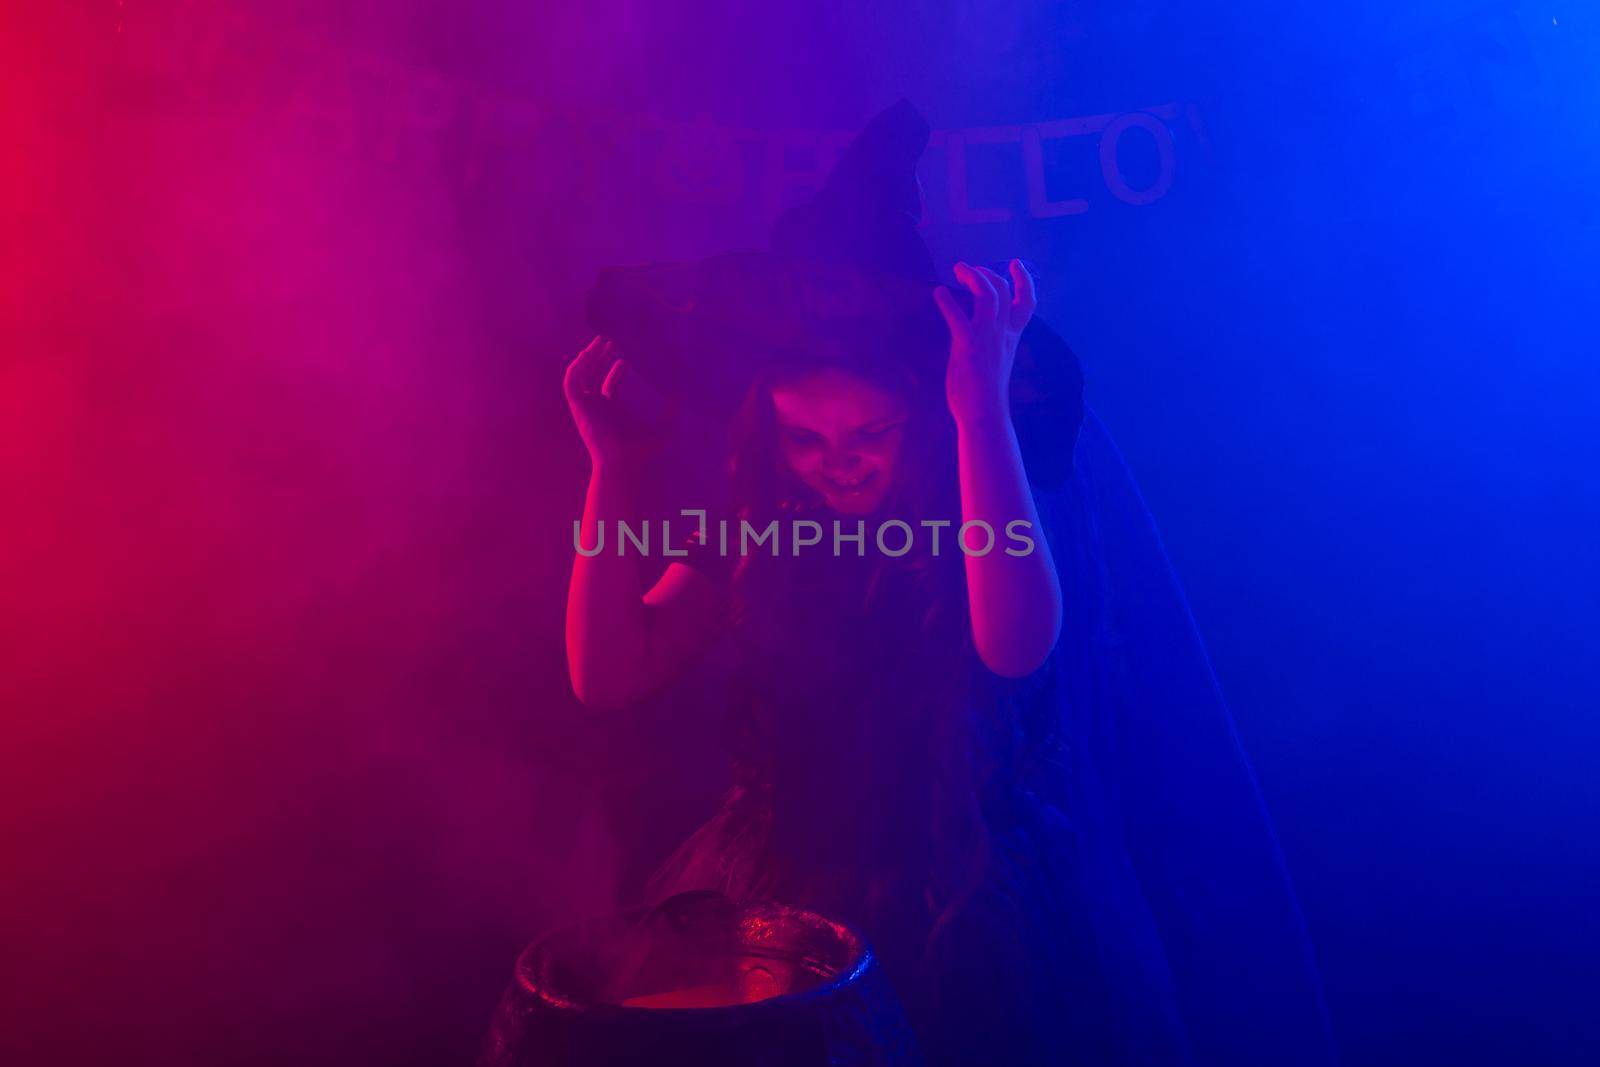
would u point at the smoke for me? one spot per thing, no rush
(290, 734)
(291, 768)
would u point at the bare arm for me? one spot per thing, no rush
(623, 642)
(1015, 599)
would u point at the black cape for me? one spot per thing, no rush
(1182, 864)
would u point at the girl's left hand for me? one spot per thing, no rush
(984, 347)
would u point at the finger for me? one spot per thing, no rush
(593, 347)
(585, 351)
(1026, 299)
(613, 379)
(589, 371)
(1002, 288)
(597, 366)
(984, 299)
(572, 381)
(954, 317)
(582, 365)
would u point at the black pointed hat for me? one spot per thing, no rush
(849, 262)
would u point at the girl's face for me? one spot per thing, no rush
(841, 435)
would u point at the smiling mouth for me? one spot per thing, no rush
(849, 486)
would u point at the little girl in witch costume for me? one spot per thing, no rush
(984, 733)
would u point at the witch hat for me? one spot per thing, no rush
(848, 262)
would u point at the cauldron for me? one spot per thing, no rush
(700, 979)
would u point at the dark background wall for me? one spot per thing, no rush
(291, 767)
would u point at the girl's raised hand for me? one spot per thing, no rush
(619, 415)
(983, 346)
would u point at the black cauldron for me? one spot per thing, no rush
(700, 979)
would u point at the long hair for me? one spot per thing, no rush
(864, 662)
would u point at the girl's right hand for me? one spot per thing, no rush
(619, 415)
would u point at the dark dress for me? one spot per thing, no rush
(1028, 857)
